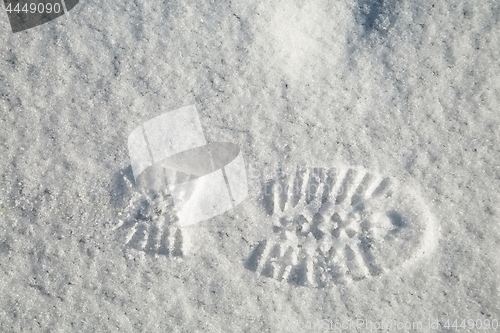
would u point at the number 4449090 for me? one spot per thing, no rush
(33, 8)
(484, 324)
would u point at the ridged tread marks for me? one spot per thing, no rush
(147, 225)
(321, 228)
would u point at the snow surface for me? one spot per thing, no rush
(405, 89)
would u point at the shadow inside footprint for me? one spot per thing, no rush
(121, 188)
(375, 15)
(298, 274)
(397, 220)
(267, 197)
(252, 263)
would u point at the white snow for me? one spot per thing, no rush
(408, 90)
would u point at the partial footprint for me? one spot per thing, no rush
(148, 224)
(339, 225)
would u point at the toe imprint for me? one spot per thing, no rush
(339, 225)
